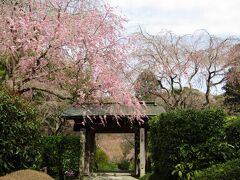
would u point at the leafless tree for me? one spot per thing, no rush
(219, 55)
(184, 63)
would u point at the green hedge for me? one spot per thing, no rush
(20, 134)
(232, 131)
(61, 154)
(224, 171)
(186, 140)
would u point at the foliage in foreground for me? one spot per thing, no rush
(61, 154)
(27, 175)
(20, 134)
(224, 171)
(188, 140)
(232, 132)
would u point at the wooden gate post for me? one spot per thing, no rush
(82, 134)
(137, 152)
(142, 152)
(92, 152)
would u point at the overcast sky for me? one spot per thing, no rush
(219, 17)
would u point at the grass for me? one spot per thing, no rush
(114, 166)
(107, 166)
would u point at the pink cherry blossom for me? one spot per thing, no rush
(76, 46)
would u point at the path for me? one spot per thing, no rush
(111, 177)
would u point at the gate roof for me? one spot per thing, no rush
(110, 109)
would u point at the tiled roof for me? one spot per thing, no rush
(110, 109)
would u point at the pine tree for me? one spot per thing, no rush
(146, 86)
(232, 88)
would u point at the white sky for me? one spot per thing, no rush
(219, 17)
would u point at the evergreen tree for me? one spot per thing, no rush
(232, 88)
(146, 86)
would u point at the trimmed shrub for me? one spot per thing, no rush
(232, 131)
(186, 140)
(224, 171)
(26, 174)
(20, 134)
(61, 154)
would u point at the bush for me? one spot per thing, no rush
(107, 166)
(124, 165)
(61, 154)
(102, 162)
(233, 133)
(186, 140)
(224, 171)
(20, 134)
(26, 174)
(101, 156)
